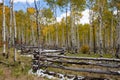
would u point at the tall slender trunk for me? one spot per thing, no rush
(56, 28)
(38, 25)
(111, 33)
(19, 34)
(66, 31)
(94, 40)
(76, 31)
(49, 38)
(10, 31)
(46, 39)
(73, 41)
(78, 38)
(4, 30)
(83, 39)
(33, 36)
(105, 39)
(11, 18)
(100, 26)
(90, 35)
(22, 36)
(15, 33)
(63, 37)
(118, 35)
(7, 41)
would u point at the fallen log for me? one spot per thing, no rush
(109, 72)
(84, 58)
(49, 51)
(52, 51)
(74, 77)
(82, 63)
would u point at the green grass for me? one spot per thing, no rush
(20, 69)
(90, 55)
(1, 72)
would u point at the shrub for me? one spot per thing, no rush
(85, 49)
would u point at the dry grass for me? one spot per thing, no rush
(17, 72)
(6, 73)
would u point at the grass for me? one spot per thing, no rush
(90, 55)
(1, 72)
(20, 69)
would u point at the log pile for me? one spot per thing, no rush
(45, 60)
(110, 66)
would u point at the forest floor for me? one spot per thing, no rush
(10, 70)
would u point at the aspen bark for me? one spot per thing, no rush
(90, 21)
(55, 11)
(15, 32)
(4, 30)
(118, 35)
(67, 30)
(73, 41)
(100, 27)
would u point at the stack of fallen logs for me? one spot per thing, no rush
(102, 62)
(57, 61)
(38, 55)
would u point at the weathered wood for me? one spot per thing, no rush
(109, 72)
(52, 51)
(81, 63)
(85, 58)
(74, 77)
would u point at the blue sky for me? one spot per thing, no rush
(23, 4)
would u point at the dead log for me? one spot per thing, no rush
(51, 51)
(81, 63)
(85, 58)
(74, 77)
(109, 72)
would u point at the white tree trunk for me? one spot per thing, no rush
(10, 31)
(91, 37)
(66, 30)
(78, 38)
(111, 34)
(118, 35)
(49, 38)
(63, 38)
(100, 27)
(11, 18)
(4, 30)
(72, 27)
(15, 32)
(56, 25)
(33, 36)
